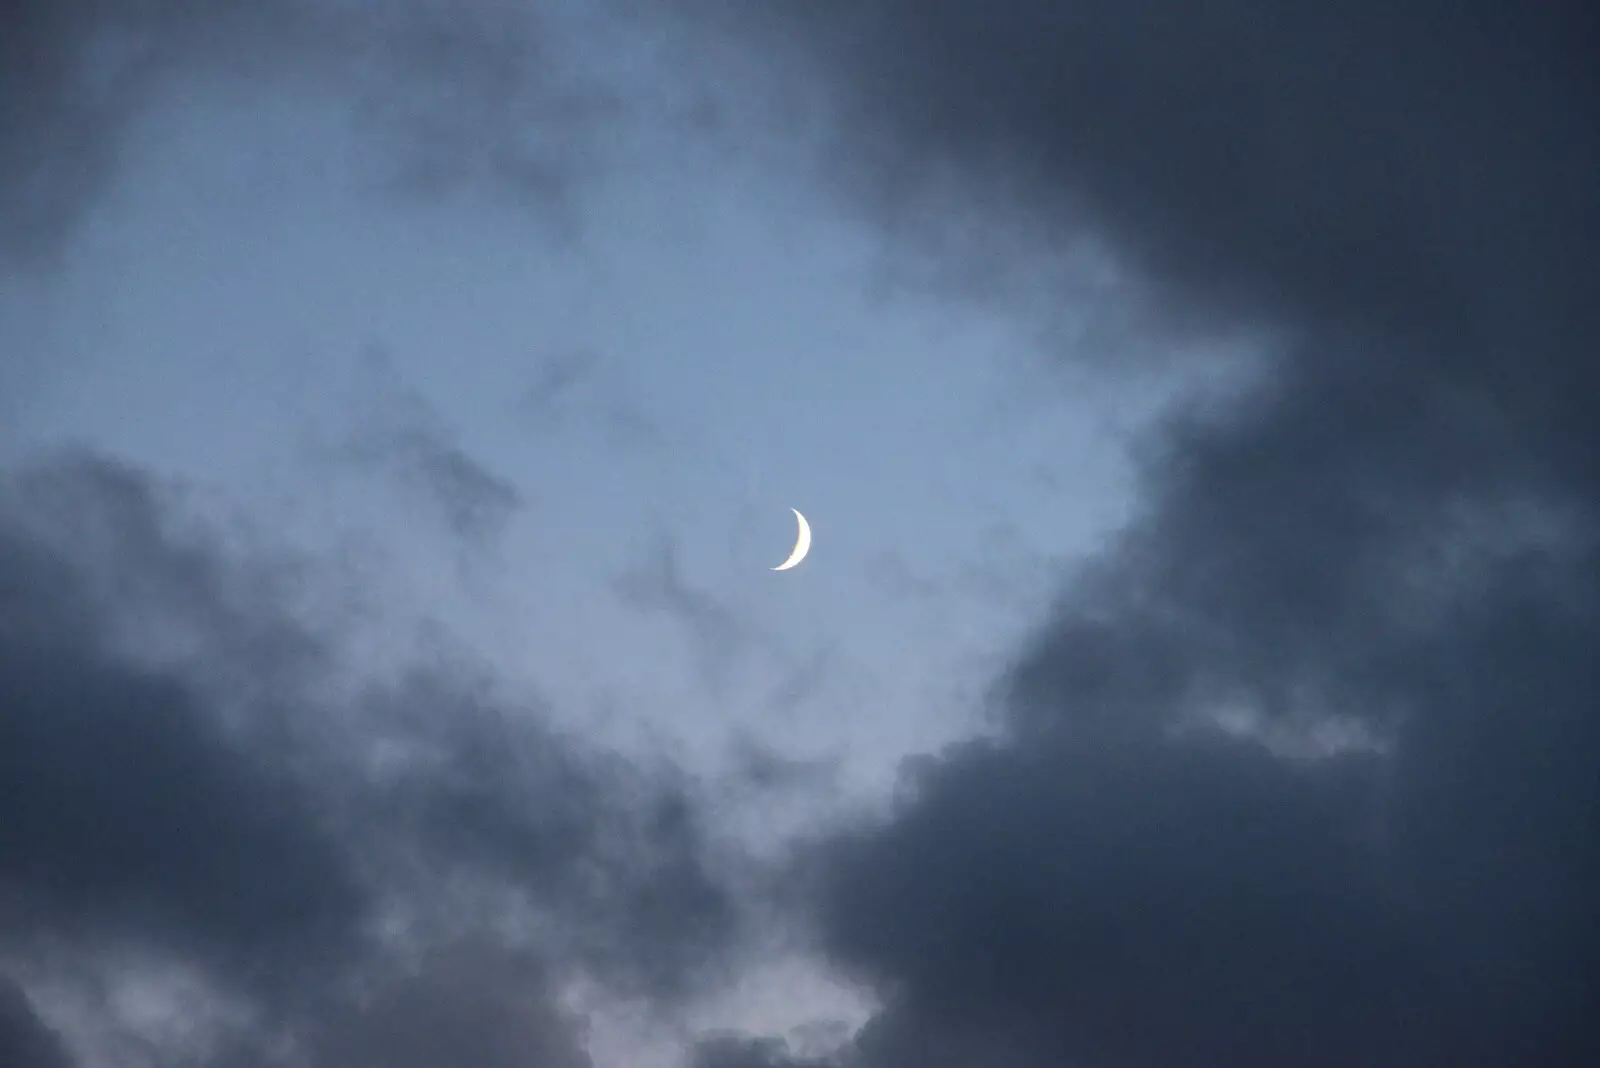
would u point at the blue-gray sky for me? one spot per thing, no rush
(401, 406)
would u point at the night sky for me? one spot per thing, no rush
(402, 404)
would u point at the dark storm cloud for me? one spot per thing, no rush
(127, 807)
(746, 1051)
(615, 850)
(463, 94)
(1395, 525)
(470, 1004)
(237, 819)
(1329, 152)
(474, 1001)
(25, 1041)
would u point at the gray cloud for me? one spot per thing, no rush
(131, 808)
(472, 1004)
(25, 1041)
(288, 844)
(449, 97)
(749, 1051)
(1396, 525)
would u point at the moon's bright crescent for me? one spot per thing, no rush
(802, 544)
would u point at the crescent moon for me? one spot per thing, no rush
(802, 544)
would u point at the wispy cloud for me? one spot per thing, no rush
(397, 432)
(721, 636)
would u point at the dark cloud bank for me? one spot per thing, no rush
(179, 785)
(1396, 527)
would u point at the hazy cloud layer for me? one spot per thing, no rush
(1395, 526)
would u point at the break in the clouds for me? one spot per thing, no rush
(1394, 527)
